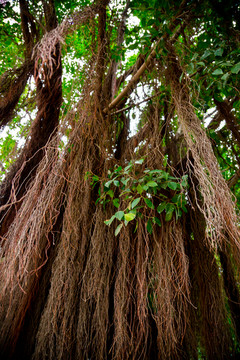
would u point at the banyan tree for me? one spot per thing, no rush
(120, 176)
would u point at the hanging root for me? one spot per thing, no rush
(25, 249)
(216, 203)
(44, 51)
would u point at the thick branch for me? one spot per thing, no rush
(101, 49)
(234, 179)
(135, 79)
(225, 110)
(120, 38)
(12, 85)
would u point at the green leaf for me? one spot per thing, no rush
(143, 22)
(135, 202)
(170, 207)
(151, 22)
(168, 216)
(139, 189)
(87, 175)
(129, 216)
(161, 207)
(235, 69)
(128, 167)
(108, 222)
(175, 198)
(172, 185)
(165, 175)
(191, 68)
(140, 161)
(217, 72)
(110, 193)
(225, 76)
(206, 54)
(151, 184)
(169, 211)
(149, 226)
(149, 203)
(108, 183)
(157, 171)
(116, 202)
(119, 215)
(95, 178)
(118, 229)
(116, 182)
(218, 52)
(119, 168)
(184, 182)
(164, 185)
(157, 221)
(124, 181)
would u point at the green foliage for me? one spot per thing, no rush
(141, 193)
(11, 38)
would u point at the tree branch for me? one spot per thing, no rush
(135, 78)
(225, 110)
(234, 179)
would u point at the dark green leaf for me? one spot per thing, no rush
(157, 221)
(235, 69)
(172, 185)
(149, 226)
(206, 54)
(218, 52)
(161, 207)
(116, 202)
(149, 203)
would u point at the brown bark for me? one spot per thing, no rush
(12, 85)
(231, 288)
(208, 296)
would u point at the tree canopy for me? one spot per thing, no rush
(120, 181)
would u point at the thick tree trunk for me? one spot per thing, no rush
(44, 127)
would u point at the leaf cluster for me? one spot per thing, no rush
(141, 194)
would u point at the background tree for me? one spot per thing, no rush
(118, 244)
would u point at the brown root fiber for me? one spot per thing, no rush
(216, 204)
(81, 291)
